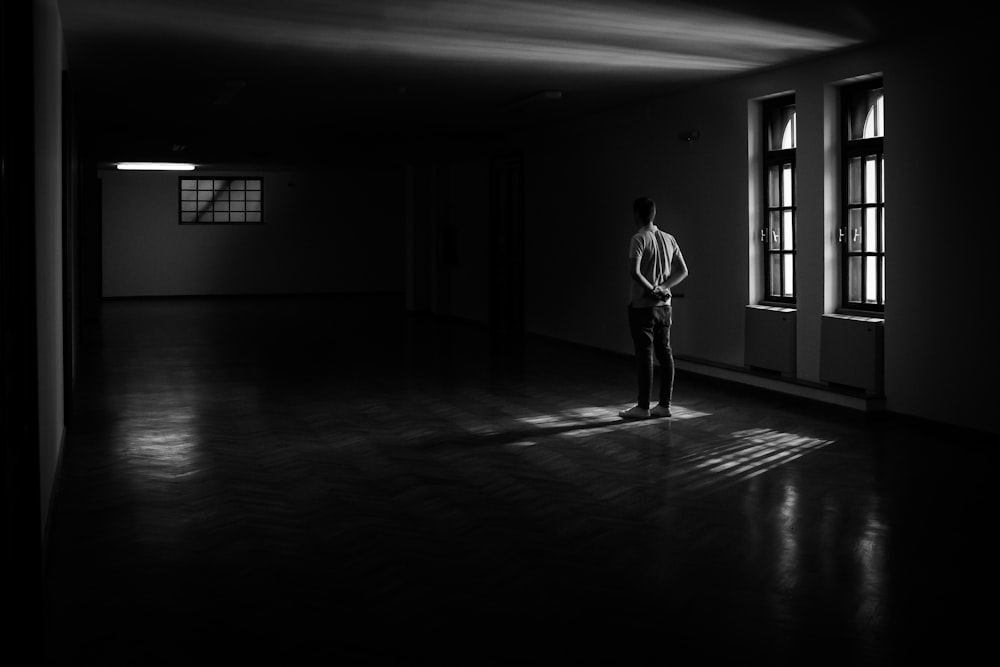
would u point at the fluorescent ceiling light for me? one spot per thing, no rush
(156, 166)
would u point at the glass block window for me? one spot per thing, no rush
(862, 235)
(221, 200)
(778, 233)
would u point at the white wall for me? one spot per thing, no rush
(49, 56)
(324, 232)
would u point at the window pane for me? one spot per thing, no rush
(189, 206)
(865, 117)
(205, 185)
(237, 196)
(775, 275)
(237, 206)
(854, 232)
(786, 185)
(253, 184)
(238, 217)
(189, 184)
(253, 217)
(789, 274)
(773, 187)
(187, 217)
(874, 126)
(788, 136)
(253, 206)
(774, 231)
(222, 217)
(881, 230)
(253, 195)
(780, 122)
(787, 232)
(854, 279)
(871, 286)
(871, 229)
(881, 167)
(882, 274)
(871, 178)
(869, 128)
(205, 195)
(222, 206)
(237, 185)
(854, 190)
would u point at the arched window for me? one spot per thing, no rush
(778, 233)
(862, 234)
(874, 120)
(788, 134)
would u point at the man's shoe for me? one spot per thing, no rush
(634, 413)
(660, 411)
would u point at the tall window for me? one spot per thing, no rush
(778, 235)
(221, 200)
(862, 234)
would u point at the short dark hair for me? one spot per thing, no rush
(644, 208)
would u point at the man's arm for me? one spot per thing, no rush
(678, 272)
(633, 267)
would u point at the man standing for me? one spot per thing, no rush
(655, 265)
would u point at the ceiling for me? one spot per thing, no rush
(276, 80)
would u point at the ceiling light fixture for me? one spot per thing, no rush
(156, 166)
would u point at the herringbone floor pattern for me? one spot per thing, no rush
(330, 480)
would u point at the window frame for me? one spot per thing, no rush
(777, 158)
(215, 179)
(861, 149)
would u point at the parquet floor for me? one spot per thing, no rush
(330, 480)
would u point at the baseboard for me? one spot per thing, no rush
(840, 396)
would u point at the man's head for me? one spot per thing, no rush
(643, 210)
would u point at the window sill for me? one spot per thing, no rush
(772, 306)
(860, 315)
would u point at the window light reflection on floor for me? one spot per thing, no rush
(735, 457)
(750, 452)
(590, 415)
(589, 419)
